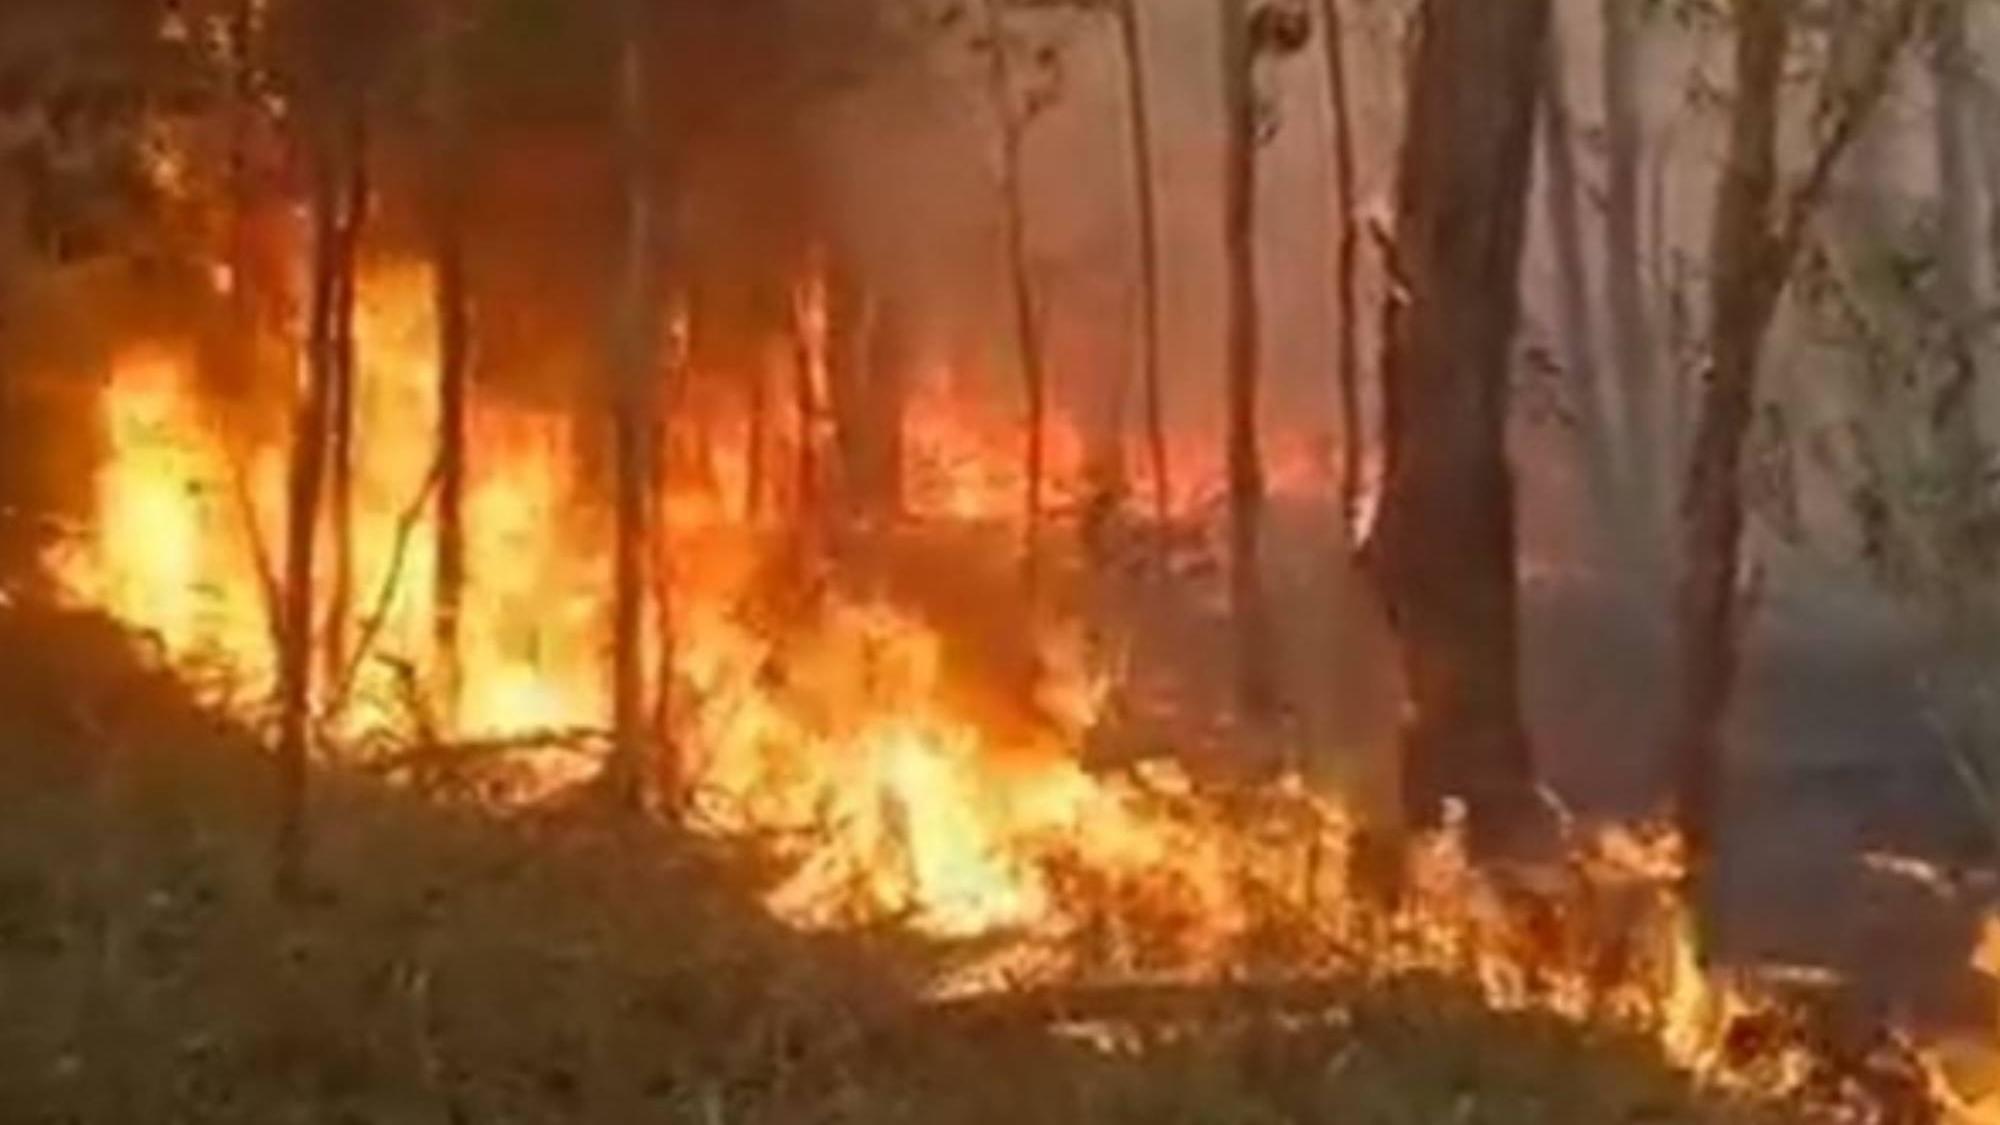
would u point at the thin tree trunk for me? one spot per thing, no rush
(1631, 330)
(452, 306)
(1744, 296)
(1241, 332)
(1347, 312)
(632, 418)
(1147, 219)
(1563, 200)
(342, 391)
(1447, 537)
(888, 360)
(757, 438)
(242, 120)
(808, 348)
(303, 492)
(1010, 120)
(1756, 239)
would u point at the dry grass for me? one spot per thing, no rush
(463, 967)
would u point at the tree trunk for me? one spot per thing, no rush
(808, 355)
(1756, 237)
(1147, 220)
(452, 306)
(342, 380)
(1563, 200)
(242, 120)
(1960, 236)
(757, 442)
(1347, 336)
(632, 417)
(1744, 294)
(1447, 539)
(1242, 325)
(303, 492)
(1631, 331)
(888, 390)
(1011, 121)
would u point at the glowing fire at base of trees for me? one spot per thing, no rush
(836, 743)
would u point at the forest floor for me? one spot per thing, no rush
(454, 965)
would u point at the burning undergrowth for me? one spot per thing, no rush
(827, 727)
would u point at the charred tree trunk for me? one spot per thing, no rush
(243, 116)
(808, 348)
(848, 386)
(888, 392)
(1146, 218)
(1242, 359)
(1447, 536)
(304, 487)
(1564, 205)
(342, 380)
(1346, 280)
(452, 306)
(757, 443)
(1631, 331)
(1010, 118)
(632, 400)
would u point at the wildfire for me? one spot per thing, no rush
(838, 743)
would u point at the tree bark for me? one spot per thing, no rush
(1242, 325)
(888, 392)
(1347, 312)
(1757, 234)
(1011, 121)
(757, 442)
(1631, 329)
(304, 486)
(1744, 296)
(633, 403)
(452, 307)
(342, 379)
(1447, 539)
(1960, 236)
(1563, 206)
(1146, 219)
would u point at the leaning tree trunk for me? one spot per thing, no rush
(1447, 538)
(1564, 206)
(303, 494)
(1241, 329)
(632, 401)
(1347, 335)
(1625, 289)
(452, 304)
(1146, 218)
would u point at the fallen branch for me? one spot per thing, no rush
(579, 741)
